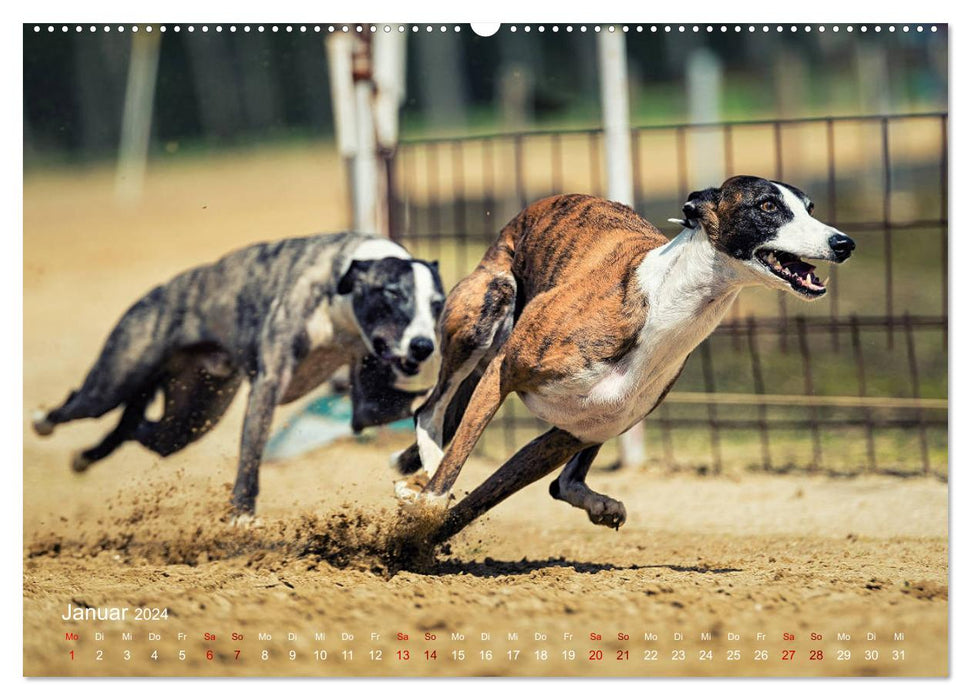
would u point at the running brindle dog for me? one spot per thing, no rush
(589, 313)
(284, 315)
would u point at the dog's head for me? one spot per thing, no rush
(396, 304)
(766, 228)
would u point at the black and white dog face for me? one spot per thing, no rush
(766, 228)
(396, 304)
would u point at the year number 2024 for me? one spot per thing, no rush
(151, 614)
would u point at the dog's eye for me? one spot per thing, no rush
(768, 206)
(437, 307)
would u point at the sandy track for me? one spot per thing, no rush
(756, 555)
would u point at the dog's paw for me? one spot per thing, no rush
(42, 426)
(603, 510)
(411, 493)
(245, 520)
(409, 490)
(80, 463)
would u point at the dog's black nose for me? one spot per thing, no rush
(421, 347)
(842, 246)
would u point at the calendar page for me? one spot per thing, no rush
(435, 350)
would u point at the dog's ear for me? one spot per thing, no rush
(700, 209)
(357, 268)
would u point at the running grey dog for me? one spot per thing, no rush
(286, 316)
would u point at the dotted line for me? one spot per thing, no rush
(428, 28)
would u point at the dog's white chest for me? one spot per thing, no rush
(685, 303)
(608, 399)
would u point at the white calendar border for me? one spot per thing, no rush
(419, 11)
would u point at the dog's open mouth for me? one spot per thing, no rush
(794, 270)
(407, 366)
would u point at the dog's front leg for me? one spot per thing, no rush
(265, 391)
(570, 486)
(532, 462)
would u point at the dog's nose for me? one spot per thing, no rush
(421, 347)
(842, 246)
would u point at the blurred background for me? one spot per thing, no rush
(240, 144)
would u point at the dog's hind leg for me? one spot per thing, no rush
(570, 486)
(478, 317)
(532, 462)
(131, 355)
(125, 430)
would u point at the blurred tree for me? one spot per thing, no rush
(215, 83)
(252, 58)
(516, 79)
(441, 78)
(100, 72)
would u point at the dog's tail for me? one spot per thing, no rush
(132, 352)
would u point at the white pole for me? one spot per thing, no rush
(704, 77)
(620, 184)
(389, 83)
(339, 48)
(365, 182)
(616, 116)
(365, 165)
(136, 121)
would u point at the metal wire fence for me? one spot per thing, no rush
(854, 383)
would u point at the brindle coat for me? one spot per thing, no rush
(283, 315)
(588, 312)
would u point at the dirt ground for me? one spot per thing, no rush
(757, 555)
